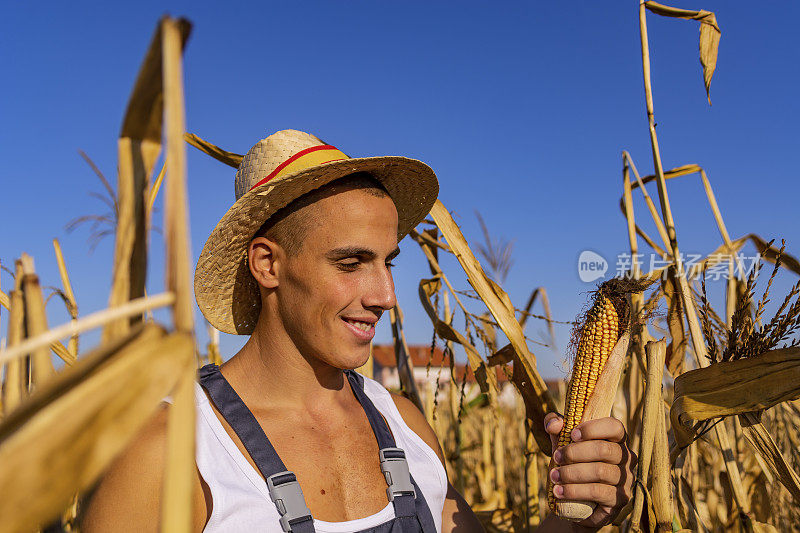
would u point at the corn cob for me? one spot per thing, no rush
(597, 335)
(598, 339)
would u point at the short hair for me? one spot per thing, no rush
(289, 225)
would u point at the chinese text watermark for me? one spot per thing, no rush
(592, 266)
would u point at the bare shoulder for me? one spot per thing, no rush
(456, 513)
(414, 419)
(129, 493)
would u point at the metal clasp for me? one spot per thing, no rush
(395, 469)
(285, 491)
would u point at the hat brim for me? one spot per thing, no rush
(225, 290)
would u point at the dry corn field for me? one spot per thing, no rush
(708, 395)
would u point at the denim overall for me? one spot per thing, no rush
(412, 514)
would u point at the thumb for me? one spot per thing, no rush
(552, 425)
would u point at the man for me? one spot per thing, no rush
(286, 431)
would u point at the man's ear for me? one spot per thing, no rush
(263, 256)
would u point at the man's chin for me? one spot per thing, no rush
(354, 360)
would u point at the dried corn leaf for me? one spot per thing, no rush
(709, 36)
(712, 202)
(548, 316)
(42, 369)
(626, 205)
(499, 304)
(662, 230)
(762, 442)
(734, 388)
(629, 186)
(714, 258)
(486, 380)
(651, 243)
(653, 409)
(64, 436)
(770, 253)
(684, 170)
(405, 366)
(153, 194)
(60, 350)
(72, 306)
(15, 383)
(688, 507)
(229, 158)
(145, 110)
(176, 216)
(91, 321)
(676, 349)
(138, 147)
(429, 237)
(661, 475)
(445, 329)
(176, 510)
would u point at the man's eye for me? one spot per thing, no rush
(390, 265)
(349, 266)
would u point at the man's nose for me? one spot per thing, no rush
(380, 292)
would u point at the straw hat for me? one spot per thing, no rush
(275, 171)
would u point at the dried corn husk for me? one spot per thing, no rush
(69, 430)
(709, 36)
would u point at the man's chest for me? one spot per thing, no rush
(335, 461)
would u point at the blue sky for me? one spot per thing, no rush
(521, 108)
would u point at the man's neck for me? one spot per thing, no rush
(270, 370)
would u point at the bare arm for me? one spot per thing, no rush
(128, 497)
(457, 516)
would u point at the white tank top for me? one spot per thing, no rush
(239, 494)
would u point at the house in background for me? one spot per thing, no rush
(384, 366)
(384, 371)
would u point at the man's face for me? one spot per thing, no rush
(335, 289)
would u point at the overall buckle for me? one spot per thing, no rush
(395, 469)
(285, 491)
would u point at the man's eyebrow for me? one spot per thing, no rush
(351, 251)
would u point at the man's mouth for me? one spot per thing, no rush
(363, 326)
(361, 329)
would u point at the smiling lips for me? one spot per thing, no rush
(362, 329)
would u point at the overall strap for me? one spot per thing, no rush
(283, 487)
(402, 490)
(379, 427)
(423, 512)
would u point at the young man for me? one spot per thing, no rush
(286, 431)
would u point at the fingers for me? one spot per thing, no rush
(600, 493)
(587, 473)
(552, 425)
(609, 486)
(590, 452)
(597, 466)
(608, 428)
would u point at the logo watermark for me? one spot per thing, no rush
(592, 266)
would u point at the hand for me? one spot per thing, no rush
(597, 466)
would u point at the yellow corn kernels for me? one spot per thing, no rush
(597, 339)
